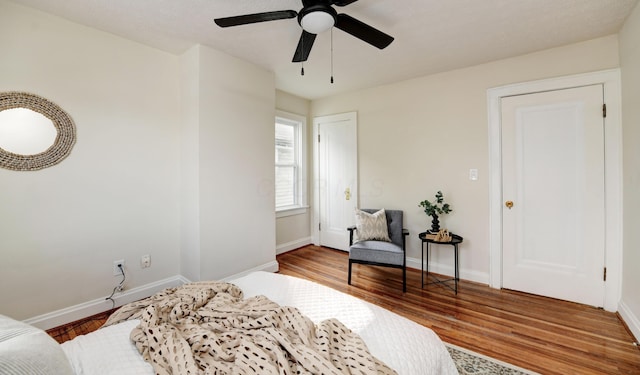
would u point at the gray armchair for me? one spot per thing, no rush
(382, 253)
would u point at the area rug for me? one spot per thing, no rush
(471, 363)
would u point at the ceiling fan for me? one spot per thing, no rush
(315, 17)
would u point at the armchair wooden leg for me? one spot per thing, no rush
(349, 279)
(404, 279)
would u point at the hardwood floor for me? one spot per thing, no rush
(79, 327)
(541, 334)
(538, 333)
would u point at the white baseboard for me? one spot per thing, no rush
(86, 309)
(630, 319)
(283, 248)
(83, 310)
(447, 269)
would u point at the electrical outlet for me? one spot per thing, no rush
(116, 267)
(145, 261)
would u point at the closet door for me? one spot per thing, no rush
(553, 192)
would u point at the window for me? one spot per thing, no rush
(290, 181)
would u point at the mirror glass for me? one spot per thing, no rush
(26, 132)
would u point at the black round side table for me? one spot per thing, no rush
(455, 241)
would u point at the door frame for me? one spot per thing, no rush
(352, 118)
(610, 79)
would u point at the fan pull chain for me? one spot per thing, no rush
(302, 51)
(332, 55)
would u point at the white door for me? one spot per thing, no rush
(336, 178)
(553, 173)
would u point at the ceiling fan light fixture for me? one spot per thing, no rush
(317, 22)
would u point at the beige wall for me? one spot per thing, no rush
(116, 196)
(190, 164)
(630, 67)
(295, 231)
(236, 166)
(174, 158)
(227, 166)
(423, 135)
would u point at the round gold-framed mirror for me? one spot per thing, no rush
(58, 149)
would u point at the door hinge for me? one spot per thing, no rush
(319, 226)
(605, 274)
(318, 138)
(604, 110)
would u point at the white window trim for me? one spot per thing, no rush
(290, 211)
(302, 205)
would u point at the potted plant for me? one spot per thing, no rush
(433, 209)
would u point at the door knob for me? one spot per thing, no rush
(509, 204)
(347, 194)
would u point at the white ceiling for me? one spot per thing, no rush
(430, 35)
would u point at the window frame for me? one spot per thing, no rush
(300, 150)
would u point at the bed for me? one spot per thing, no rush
(401, 344)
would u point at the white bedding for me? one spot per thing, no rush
(406, 346)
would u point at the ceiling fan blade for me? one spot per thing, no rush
(342, 3)
(304, 46)
(254, 18)
(363, 31)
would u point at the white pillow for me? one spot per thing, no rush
(371, 226)
(108, 350)
(25, 349)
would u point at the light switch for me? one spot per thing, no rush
(473, 174)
